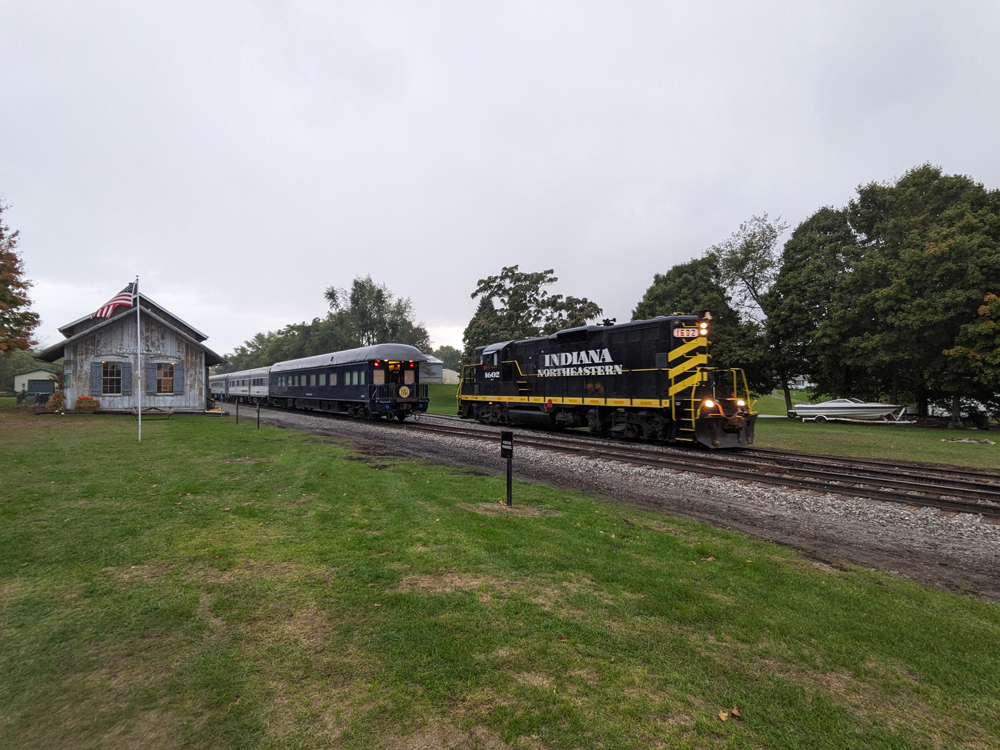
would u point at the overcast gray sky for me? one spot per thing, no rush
(240, 157)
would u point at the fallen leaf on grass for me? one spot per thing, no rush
(724, 715)
(735, 713)
(234, 703)
(707, 559)
(378, 605)
(563, 638)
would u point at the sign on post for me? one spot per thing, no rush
(507, 451)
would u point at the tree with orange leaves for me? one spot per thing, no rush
(17, 321)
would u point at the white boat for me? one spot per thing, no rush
(844, 408)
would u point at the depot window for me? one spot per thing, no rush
(111, 378)
(164, 378)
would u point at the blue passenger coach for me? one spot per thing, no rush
(371, 382)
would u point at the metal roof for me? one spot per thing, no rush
(115, 314)
(392, 352)
(55, 351)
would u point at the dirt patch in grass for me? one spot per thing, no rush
(535, 679)
(137, 574)
(445, 583)
(215, 624)
(446, 737)
(155, 729)
(497, 509)
(372, 462)
(247, 460)
(308, 628)
(201, 573)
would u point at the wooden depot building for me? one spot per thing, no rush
(99, 359)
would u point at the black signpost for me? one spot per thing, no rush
(507, 451)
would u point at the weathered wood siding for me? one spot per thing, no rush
(116, 343)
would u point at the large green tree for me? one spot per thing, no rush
(372, 314)
(17, 320)
(369, 313)
(514, 305)
(875, 296)
(695, 286)
(450, 356)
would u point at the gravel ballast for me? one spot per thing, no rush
(958, 552)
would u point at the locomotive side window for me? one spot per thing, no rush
(378, 377)
(364, 375)
(322, 378)
(408, 377)
(312, 379)
(333, 378)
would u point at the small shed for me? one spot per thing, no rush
(101, 360)
(36, 381)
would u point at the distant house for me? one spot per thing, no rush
(99, 359)
(36, 381)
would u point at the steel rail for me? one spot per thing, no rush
(904, 468)
(852, 484)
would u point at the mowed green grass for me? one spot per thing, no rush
(885, 441)
(222, 586)
(442, 399)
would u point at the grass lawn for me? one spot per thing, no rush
(887, 441)
(442, 399)
(222, 586)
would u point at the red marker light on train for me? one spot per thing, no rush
(376, 363)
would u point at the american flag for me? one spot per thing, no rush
(124, 297)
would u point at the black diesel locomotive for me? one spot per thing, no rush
(648, 379)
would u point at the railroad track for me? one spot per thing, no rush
(944, 488)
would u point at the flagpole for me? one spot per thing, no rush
(138, 356)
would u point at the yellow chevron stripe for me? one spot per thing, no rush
(687, 364)
(690, 382)
(683, 349)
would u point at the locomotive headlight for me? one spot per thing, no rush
(740, 402)
(709, 403)
(703, 325)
